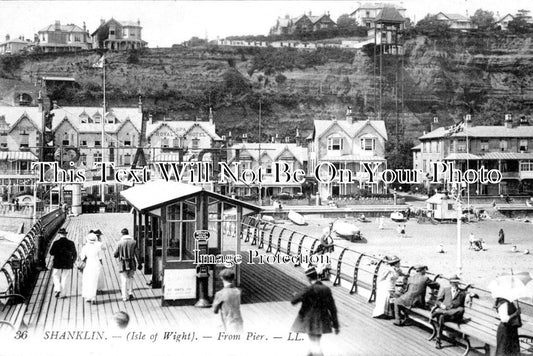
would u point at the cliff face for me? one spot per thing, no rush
(484, 76)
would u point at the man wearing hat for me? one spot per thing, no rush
(125, 253)
(450, 307)
(318, 314)
(64, 252)
(415, 295)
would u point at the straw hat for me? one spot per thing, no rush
(454, 279)
(420, 268)
(91, 237)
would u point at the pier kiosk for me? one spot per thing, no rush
(171, 221)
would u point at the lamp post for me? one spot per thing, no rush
(459, 222)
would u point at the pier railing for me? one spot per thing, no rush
(18, 273)
(355, 270)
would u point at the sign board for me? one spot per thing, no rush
(179, 284)
(202, 235)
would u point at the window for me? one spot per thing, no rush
(335, 144)
(97, 143)
(269, 168)
(83, 143)
(523, 145)
(110, 119)
(526, 166)
(24, 140)
(461, 145)
(181, 218)
(484, 145)
(127, 143)
(84, 119)
(367, 14)
(83, 158)
(164, 142)
(503, 145)
(97, 157)
(175, 142)
(424, 165)
(97, 118)
(195, 143)
(3, 140)
(77, 38)
(367, 144)
(127, 159)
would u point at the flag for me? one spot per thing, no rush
(459, 127)
(100, 62)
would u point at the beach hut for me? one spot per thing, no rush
(441, 207)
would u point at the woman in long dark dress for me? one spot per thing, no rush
(507, 343)
(501, 235)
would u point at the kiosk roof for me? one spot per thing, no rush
(155, 194)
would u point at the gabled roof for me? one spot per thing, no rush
(74, 114)
(417, 147)
(13, 114)
(389, 14)
(182, 126)
(272, 150)
(121, 23)
(322, 126)
(315, 19)
(63, 28)
(454, 17)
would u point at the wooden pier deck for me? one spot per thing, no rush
(267, 290)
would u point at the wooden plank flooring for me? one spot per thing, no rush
(267, 290)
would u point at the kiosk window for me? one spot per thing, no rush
(182, 224)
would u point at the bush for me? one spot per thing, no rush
(280, 78)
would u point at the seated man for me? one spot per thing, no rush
(450, 307)
(415, 295)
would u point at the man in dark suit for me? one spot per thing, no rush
(318, 314)
(64, 252)
(450, 307)
(415, 295)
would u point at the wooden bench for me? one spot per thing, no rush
(12, 312)
(480, 323)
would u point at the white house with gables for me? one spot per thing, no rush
(19, 140)
(348, 144)
(255, 155)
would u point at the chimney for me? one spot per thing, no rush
(310, 13)
(211, 116)
(102, 22)
(524, 121)
(244, 138)
(57, 25)
(7, 38)
(434, 124)
(84, 27)
(150, 119)
(139, 22)
(349, 116)
(140, 105)
(277, 140)
(230, 139)
(508, 122)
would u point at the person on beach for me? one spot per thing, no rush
(501, 237)
(64, 252)
(381, 222)
(228, 302)
(318, 314)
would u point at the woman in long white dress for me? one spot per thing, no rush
(387, 277)
(92, 252)
(99, 241)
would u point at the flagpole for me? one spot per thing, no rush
(103, 130)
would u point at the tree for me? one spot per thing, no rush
(520, 23)
(346, 22)
(483, 19)
(430, 26)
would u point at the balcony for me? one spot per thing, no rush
(526, 175)
(16, 173)
(511, 175)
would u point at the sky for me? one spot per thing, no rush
(169, 22)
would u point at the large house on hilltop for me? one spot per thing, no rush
(63, 38)
(302, 24)
(456, 21)
(118, 35)
(347, 144)
(366, 14)
(13, 46)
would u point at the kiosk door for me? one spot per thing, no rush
(179, 270)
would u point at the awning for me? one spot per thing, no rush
(17, 156)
